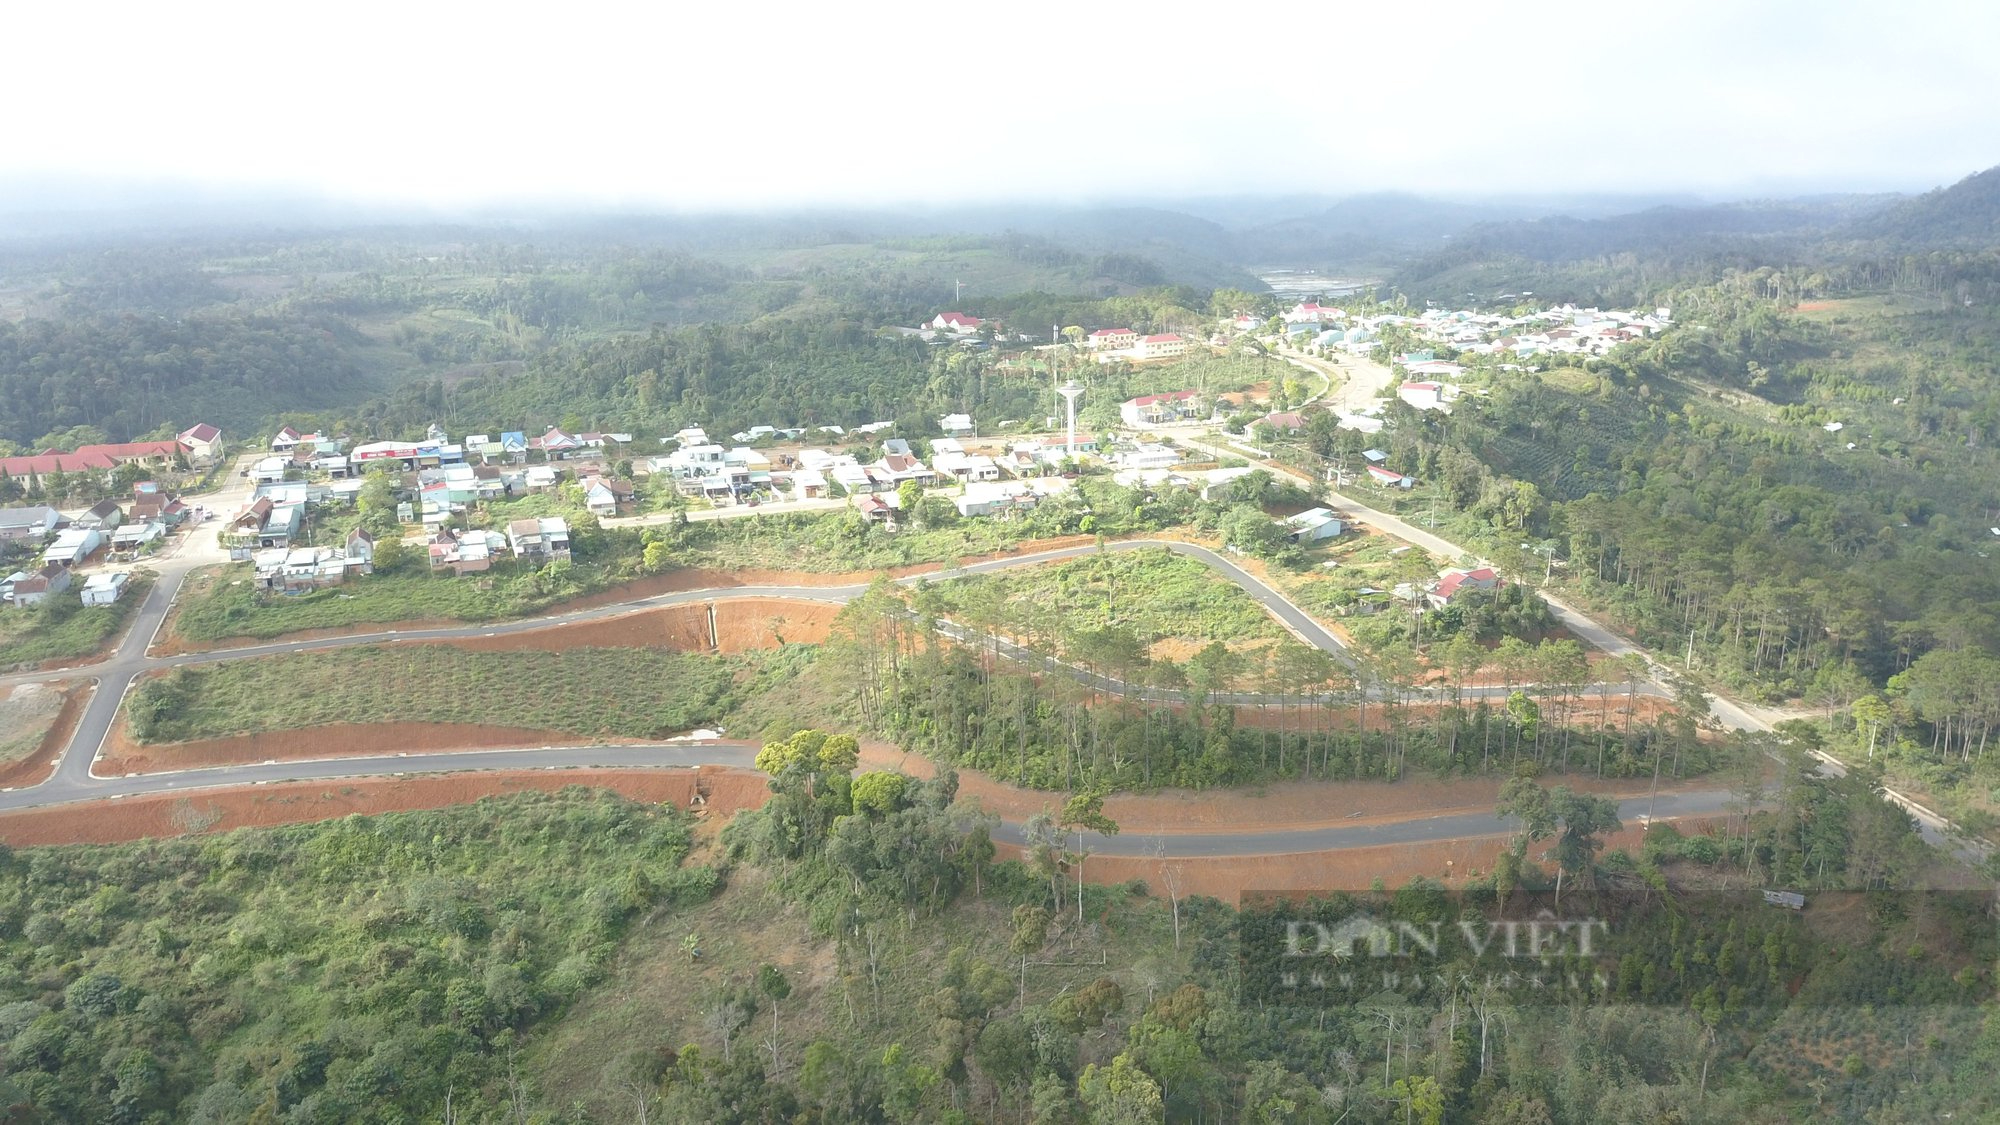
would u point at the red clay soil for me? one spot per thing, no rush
(741, 624)
(339, 740)
(107, 822)
(673, 582)
(1278, 807)
(36, 767)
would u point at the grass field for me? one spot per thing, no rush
(1362, 562)
(609, 692)
(63, 628)
(1173, 606)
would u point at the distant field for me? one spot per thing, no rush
(588, 692)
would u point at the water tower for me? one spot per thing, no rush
(1070, 391)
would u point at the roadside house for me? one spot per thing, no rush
(103, 589)
(1455, 582)
(33, 588)
(1312, 526)
(539, 541)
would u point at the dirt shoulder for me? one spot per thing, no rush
(1234, 879)
(34, 767)
(122, 755)
(1285, 806)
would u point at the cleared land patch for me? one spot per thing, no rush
(26, 714)
(1171, 605)
(586, 692)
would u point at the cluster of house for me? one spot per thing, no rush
(701, 468)
(536, 541)
(199, 445)
(295, 570)
(126, 530)
(1563, 329)
(294, 454)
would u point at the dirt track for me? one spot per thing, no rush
(741, 624)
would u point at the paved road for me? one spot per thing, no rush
(74, 779)
(742, 755)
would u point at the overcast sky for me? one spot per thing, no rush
(740, 104)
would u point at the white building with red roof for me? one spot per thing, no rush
(1161, 346)
(203, 443)
(958, 322)
(1112, 338)
(1154, 410)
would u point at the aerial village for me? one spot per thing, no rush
(437, 481)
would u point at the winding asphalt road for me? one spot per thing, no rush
(75, 780)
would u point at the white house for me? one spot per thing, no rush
(26, 588)
(270, 470)
(204, 443)
(103, 589)
(539, 540)
(73, 546)
(989, 498)
(1161, 346)
(1423, 396)
(808, 484)
(956, 424)
(964, 466)
(1112, 338)
(1147, 455)
(1312, 526)
(137, 534)
(1154, 410)
(899, 467)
